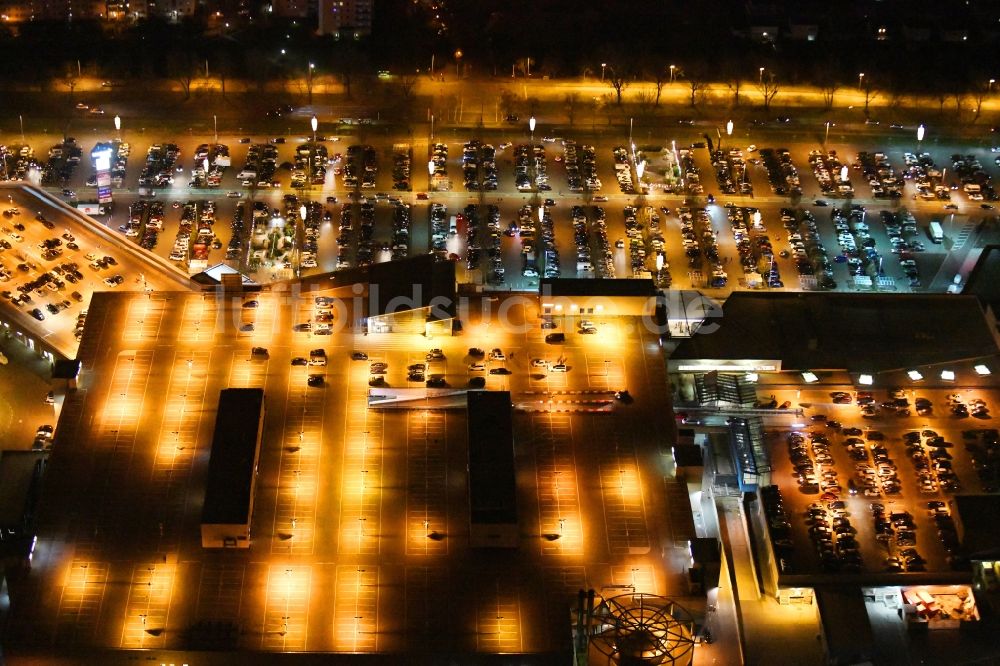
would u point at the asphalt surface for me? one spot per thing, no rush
(360, 522)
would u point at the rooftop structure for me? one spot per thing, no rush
(863, 333)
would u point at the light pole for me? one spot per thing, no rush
(215, 126)
(826, 136)
(314, 122)
(531, 126)
(309, 85)
(991, 82)
(920, 137)
(861, 79)
(729, 128)
(21, 119)
(303, 213)
(432, 67)
(604, 66)
(672, 68)
(458, 63)
(430, 174)
(761, 79)
(118, 126)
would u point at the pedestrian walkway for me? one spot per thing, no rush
(774, 634)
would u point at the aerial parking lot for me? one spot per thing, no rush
(781, 212)
(866, 480)
(361, 521)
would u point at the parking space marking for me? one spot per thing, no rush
(247, 372)
(198, 321)
(641, 577)
(263, 318)
(621, 491)
(424, 614)
(299, 466)
(556, 482)
(361, 485)
(126, 389)
(605, 372)
(286, 608)
(148, 605)
(564, 581)
(80, 603)
(142, 322)
(220, 592)
(426, 482)
(355, 627)
(498, 620)
(177, 442)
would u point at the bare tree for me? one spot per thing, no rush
(70, 80)
(405, 86)
(182, 70)
(768, 87)
(979, 94)
(571, 102)
(646, 100)
(870, 93)
(616, 78)
(660, 75)
(735, 83)
(696, 82)
(508, 102)
(829, 89)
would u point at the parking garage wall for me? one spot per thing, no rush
(14, 331)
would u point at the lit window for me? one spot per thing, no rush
(809, 377)
(982, 370)
(866, 380)
(948, 375)
(915, 375)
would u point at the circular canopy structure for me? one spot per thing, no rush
(644, 629)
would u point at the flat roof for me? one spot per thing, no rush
(17, 474)
(846, 626)
(596, 287)
(492, 486)
(234, 452)
(855, 332)
(984, 279)
(397, 286)
(979, 516)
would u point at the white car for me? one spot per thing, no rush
(234, 194)
(539, 363)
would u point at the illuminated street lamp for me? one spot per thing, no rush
(920, 136)
(430, 174)
(761, 79)
(861, 79)
(604, 66)
(314, 122)
(992, 81)
(310, 82)
(672, 68)
(531, 126)
(118, 126)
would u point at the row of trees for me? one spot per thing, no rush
(966, 91)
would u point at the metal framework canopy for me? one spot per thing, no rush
(644, 629)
